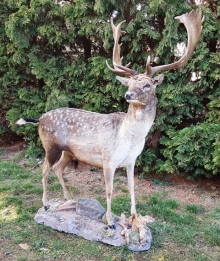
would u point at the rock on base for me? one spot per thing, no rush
(83, 218)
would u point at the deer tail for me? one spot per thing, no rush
(23, 121)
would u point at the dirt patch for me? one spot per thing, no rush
(88, 181)
(10, 139)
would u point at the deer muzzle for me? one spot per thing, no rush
(129, 96)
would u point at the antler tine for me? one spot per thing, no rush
(117, 33)
(193, 23)
(117, 60)
(123, 70)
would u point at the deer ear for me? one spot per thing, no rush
(158, 80)
(123, 80)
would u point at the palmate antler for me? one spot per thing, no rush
(117, 60)
(193, 23)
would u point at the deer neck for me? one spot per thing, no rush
(141, 117)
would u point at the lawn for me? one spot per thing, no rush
(183, 230)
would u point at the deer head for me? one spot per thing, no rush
(142, 84)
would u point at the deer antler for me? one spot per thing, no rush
(117, 60)
(193, 23)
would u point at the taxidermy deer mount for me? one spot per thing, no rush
(109, 140)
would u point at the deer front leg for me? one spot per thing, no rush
(130, 175)
(108, 176)
(45, 171)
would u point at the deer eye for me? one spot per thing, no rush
(147, 86)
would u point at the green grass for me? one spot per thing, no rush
(194, 209)
(180, 233)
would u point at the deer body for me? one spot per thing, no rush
(102, 140)
(94, 138)
(109, 140)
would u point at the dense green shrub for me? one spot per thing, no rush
(193, 149)
(53, 55)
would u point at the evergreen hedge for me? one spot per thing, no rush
(52, 54)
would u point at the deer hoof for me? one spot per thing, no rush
(113, 226)
(46, 207)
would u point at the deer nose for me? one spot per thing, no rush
(129, 95)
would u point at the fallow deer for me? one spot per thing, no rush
(109, 140)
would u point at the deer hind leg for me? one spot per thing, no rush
(130, 175)
(59, 168)
(108, 176)
(45, 171)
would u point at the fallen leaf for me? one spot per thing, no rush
(24, 246)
